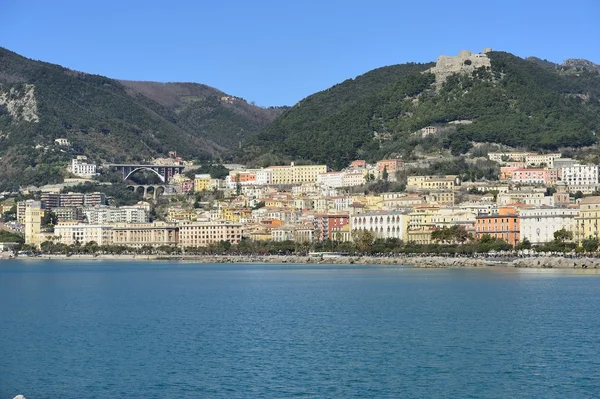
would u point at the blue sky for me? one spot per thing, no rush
(278, 52)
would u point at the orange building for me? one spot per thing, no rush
(504, 225)
(242, 177)
(359, 163)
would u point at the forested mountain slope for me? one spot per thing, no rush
(511, 101)
(109, 120)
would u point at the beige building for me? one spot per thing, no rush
(449, 182)
(33, 222)
(296, 174)
(202, 234)
(145, 234)
(541, 159)
(509, 156)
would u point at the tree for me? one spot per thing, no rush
(525, 244)
(49, 219)
(363, 239)
(578, 195)
(384, 174)
(590, 244)
(563, 235)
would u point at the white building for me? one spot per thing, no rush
(82, 169)
(538, 225)
(70, 233)
(109, 214)
(61, 142)
(390, 224)
(331, 179)
(263, 177)
(578, 175)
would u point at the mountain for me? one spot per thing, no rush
(109, 120)
(491, 97)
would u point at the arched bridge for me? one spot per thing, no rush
(146, 190)
(164, 172)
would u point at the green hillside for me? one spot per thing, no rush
(515, 102)
(108, 120)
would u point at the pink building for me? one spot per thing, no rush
(390, 165)
(507, 171)
(535, 176)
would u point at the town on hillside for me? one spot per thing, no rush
(542, 201)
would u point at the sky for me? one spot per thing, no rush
(278, 52)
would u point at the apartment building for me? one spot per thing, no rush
(502, 157)
(327, 225)
(541, 159)
(202, 182)
(390, 165)
(450, 182)
(65, 213)
(102, 214)
(586, 222)
(538, 225)
(296, 174)
(83, 169)
(202, 234)
(138, 235)
(546, 177)
(580, 175)
(353, 179)
(70, 233)
(331, 179)
(383, 224)
(504, 225)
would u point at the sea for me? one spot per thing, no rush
(112, 329)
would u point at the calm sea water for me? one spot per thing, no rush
(165, 330)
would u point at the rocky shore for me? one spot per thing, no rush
(541, 262)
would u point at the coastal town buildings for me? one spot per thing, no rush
(306, 203)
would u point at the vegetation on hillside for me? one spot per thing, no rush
(516, 102)
(108, 120)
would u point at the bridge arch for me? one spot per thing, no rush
(162, 178)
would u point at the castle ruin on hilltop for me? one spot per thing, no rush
(464, 62)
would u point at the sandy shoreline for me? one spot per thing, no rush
(545, 262)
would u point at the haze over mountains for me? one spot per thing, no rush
(473, 98)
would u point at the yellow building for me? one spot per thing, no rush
(296, 174)
(421, 224)
(370, 202)
(202, 182)
(420, 236)
(33, 222)
(235, 214)
(440, 197)
(586, 223)
(181, 214)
